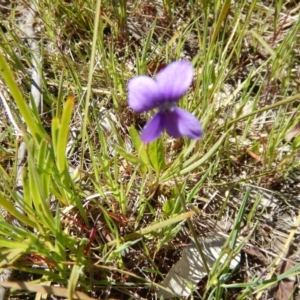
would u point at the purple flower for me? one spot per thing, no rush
(170, 84)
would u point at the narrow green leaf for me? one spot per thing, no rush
(73, 280)
(27, 201)
(154, 227)
(239, 218)
(128, 156)
(10, 207)
(139, 145)
(63, 134)
(168, 207)
(32, 122)
(55, 130)
(37, 192)
(263, 42)
(9, 256)
(218, 26)
(114, 254)
(156, 154)
(145, 51)
(194, 162)
(42, 156)
(296, 142)
(44, 165)
(13, 244)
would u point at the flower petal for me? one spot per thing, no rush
(179, 122)
(153, 128)
(143, 94)
(174, 80)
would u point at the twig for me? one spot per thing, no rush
(36, 55)
(4, 277)
(36, 80)
(18, 131)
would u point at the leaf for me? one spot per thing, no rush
(256, 157)
(188, 271)
(63, 135)
(54, 132)
(156, 154)
(293, 133)
(284, 290)
(128, 156)
(132, 158)
(154, 227)
(296, 142)
(121, 248)
(44, 165)
(73, 280)
(32, 121)
(10, 207)
(264, 43)
(139, 145)
(194, 162)
(8, 256)
(37, 192)
(168, 207)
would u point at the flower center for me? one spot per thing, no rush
(167, 106)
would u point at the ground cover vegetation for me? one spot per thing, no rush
(92, 209)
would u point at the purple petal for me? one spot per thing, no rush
(143, 94)
(179, 122)
(153, 128)
(174, 80)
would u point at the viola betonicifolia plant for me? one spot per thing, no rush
(169, 85)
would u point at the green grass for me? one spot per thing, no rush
(98, 209)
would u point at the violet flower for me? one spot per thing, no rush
(170, 84)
